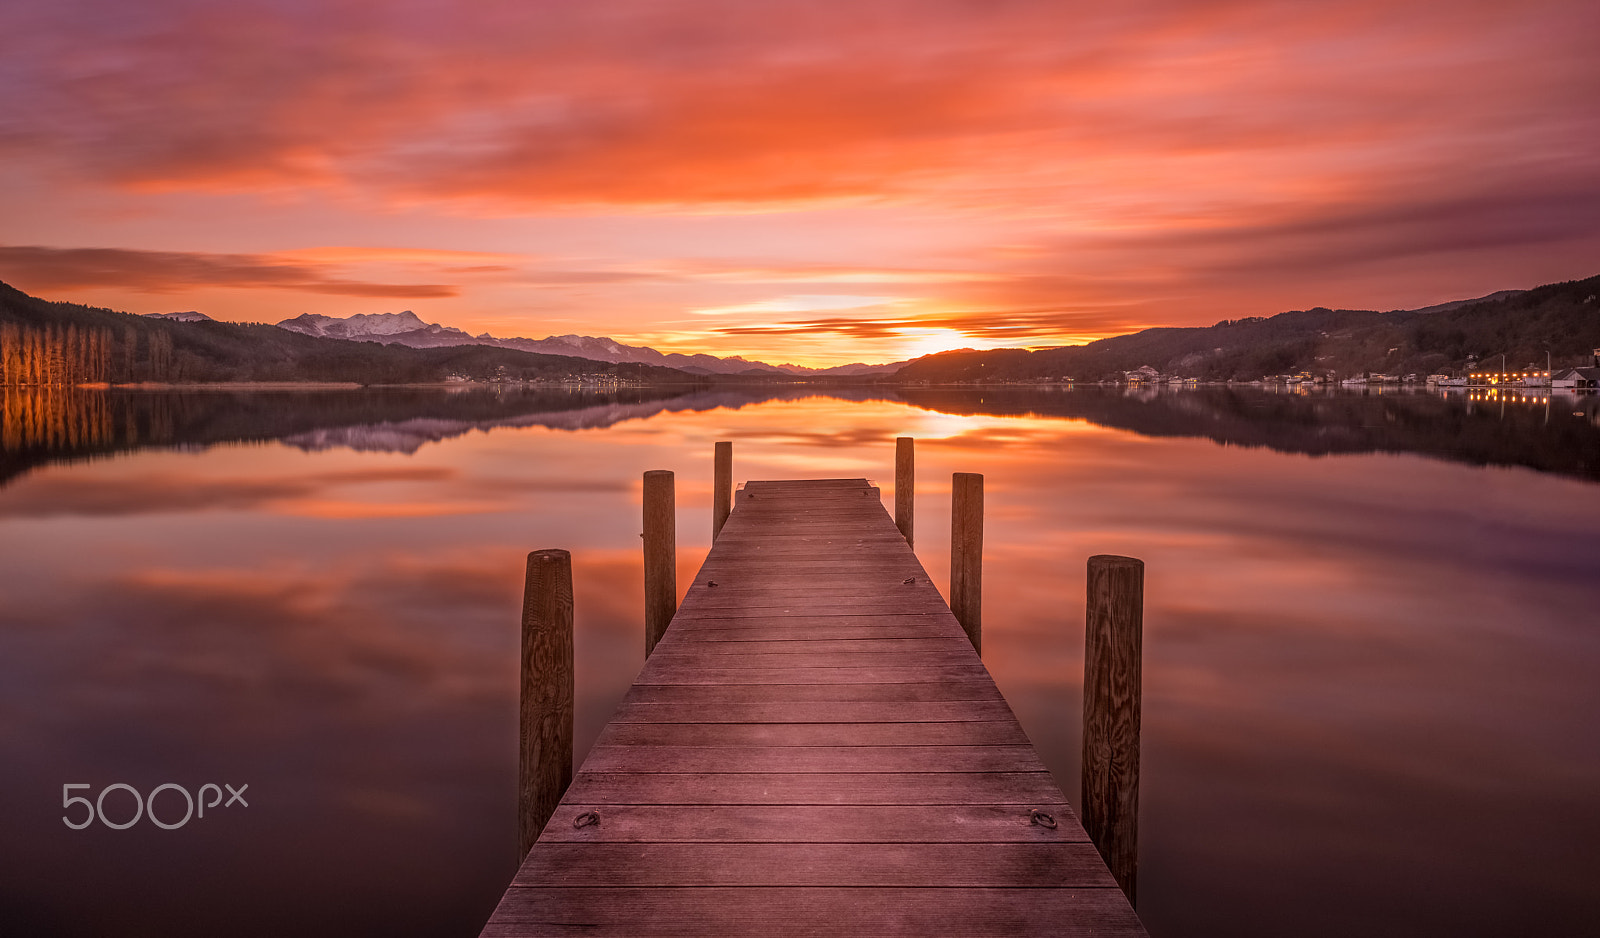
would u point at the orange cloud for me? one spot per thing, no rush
(1013, 325)
(1090, 168)
(46, 268)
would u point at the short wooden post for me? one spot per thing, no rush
(660, 556)
(545, 764)
(1113, 638)
(966, 554)
(721, 488)
(905, 484)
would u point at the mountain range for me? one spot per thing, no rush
(406, 328)
(1558, 323)
(43, 342)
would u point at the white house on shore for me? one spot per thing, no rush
(1580, 378)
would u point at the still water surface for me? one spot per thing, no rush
(1372, 635)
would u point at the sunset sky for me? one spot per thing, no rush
(813, 182)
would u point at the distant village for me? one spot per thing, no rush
(1479, 375)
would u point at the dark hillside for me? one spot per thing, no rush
(43, 342)
(1563, 318)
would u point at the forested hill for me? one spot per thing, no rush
(43, 342)
(1563, 318)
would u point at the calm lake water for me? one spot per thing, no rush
(1372, 636)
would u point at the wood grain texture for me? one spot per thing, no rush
(813, 748)
(963, 733)
(545, 734)
(660, 556)
(721, 488)
(797, 759)
(1036, 865)
(809, 823)
(834, 629)
(600, 788)
(815, 711)
(782, 912)
(966, 554)
(1113, 639)
(905, 482)
(828, 649)
(766, 693)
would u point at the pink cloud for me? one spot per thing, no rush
(1177, 162)
(47, 268)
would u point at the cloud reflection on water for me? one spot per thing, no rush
(1360, 671)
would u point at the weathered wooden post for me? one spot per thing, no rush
(721, 488)
(966, 553)
(545, 763)
(660, 556)
(1113, 639)
(905, 483)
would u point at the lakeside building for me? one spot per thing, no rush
(1528, 377)
(1581, 378)
(1576, 379)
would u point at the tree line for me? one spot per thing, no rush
(51, 344)
(57, 355)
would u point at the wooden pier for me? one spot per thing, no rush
(813, 748)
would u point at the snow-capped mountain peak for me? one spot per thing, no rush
(189, 316)
(361, 325)
(405, 328)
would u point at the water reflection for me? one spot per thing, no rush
(1550, 432)
(1369, 699)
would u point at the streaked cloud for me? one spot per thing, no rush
(52, 268)
(1064, 169)
(797, 304)
(1009, 326)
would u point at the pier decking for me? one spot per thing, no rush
(813, 748)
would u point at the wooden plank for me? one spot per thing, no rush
(801, 759)
(670, 674)
(816, 911)
(819, 530)
(721, 618)
(841, 590)
(813, 864)
(777, 608)
(816, 711)
(719, 633)
(600, 788)
(792, 590)
(955, 733)
(842, 569)
(802, 658)
(767, 693)
(805, 823)
(834, 618)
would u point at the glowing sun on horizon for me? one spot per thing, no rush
(915, 343)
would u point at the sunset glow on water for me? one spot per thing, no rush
(1366, 678)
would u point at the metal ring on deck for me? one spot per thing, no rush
(593, 817)
(1035, 816)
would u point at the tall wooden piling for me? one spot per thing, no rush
(721, 488)
(905, 484)
(1113, 640)
(660, 556)
(966, 553)
(545, 763)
